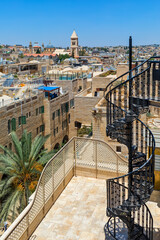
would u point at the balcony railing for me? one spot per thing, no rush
(80, 156)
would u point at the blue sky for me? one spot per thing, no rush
(97, 22)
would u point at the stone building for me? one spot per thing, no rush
(30, 48)
(39, 115)
(74, 45)
(49, 48)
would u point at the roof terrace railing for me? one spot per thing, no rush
(80, 156)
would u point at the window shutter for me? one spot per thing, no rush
(23, 119)
(9, 126)
(13, 123)
(19, 121)
(42, 109)
(66, 106)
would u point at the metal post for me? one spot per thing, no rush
(75, 162)
(130, 125)
(130, 68)
(96, 158)
(53, 181)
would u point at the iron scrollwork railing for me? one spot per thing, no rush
(129, 216)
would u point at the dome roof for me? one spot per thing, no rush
(74, 35)
(49, 45)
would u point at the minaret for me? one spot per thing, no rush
(74, 45)
(30, 48)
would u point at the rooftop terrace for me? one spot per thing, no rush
(70, 205)
(79, 212)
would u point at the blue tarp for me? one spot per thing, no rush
(8, 82)
(48, 88)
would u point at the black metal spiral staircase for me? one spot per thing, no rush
(129, 216)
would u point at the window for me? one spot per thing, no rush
(54, 132)
(66, 107)
(9, 126)
(23, 119)
(71, 103)
(42, 128)
(59, 115)
(37, 130)
(13, 124)
(69, 118)
(57, 129)
(53, 115)
(36, 111)
(6, 149)
(19, 121)
(26, 115)
(118, 148)
(29, 114)
(41, 109)
(10, 146)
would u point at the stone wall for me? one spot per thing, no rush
(83, 108)
(121, 69)
(15, 110)
(29, 108)
(52, 107)
(101, 82)
(99, 132)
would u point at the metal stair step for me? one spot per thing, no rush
(138, 164)
(138, 155)
(137, 232)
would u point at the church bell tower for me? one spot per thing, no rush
(74, 45)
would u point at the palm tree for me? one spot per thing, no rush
(21, 170)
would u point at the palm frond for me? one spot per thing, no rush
(17, 145)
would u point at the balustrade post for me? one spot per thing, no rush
(27, 225)
(95, 156)
(117, 165)
(43, 192)
(75, 158)
(53, 180)
(63, 158)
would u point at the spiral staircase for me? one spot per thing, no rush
(127, 100)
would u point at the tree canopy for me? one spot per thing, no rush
(21, 170)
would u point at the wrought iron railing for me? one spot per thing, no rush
(130, 218)
(80, 156)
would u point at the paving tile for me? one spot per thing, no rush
(80, 213)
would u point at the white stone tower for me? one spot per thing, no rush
(30, 48)
(74, 45)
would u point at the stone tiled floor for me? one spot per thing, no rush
(79, 213)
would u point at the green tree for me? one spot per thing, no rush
(21, 170)
(82, 53)
(21, 55)
(62, 57)
(38, 51)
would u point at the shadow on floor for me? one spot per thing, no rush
(156, 234)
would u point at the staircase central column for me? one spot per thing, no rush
(130, 131)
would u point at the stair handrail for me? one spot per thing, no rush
(126, 73)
